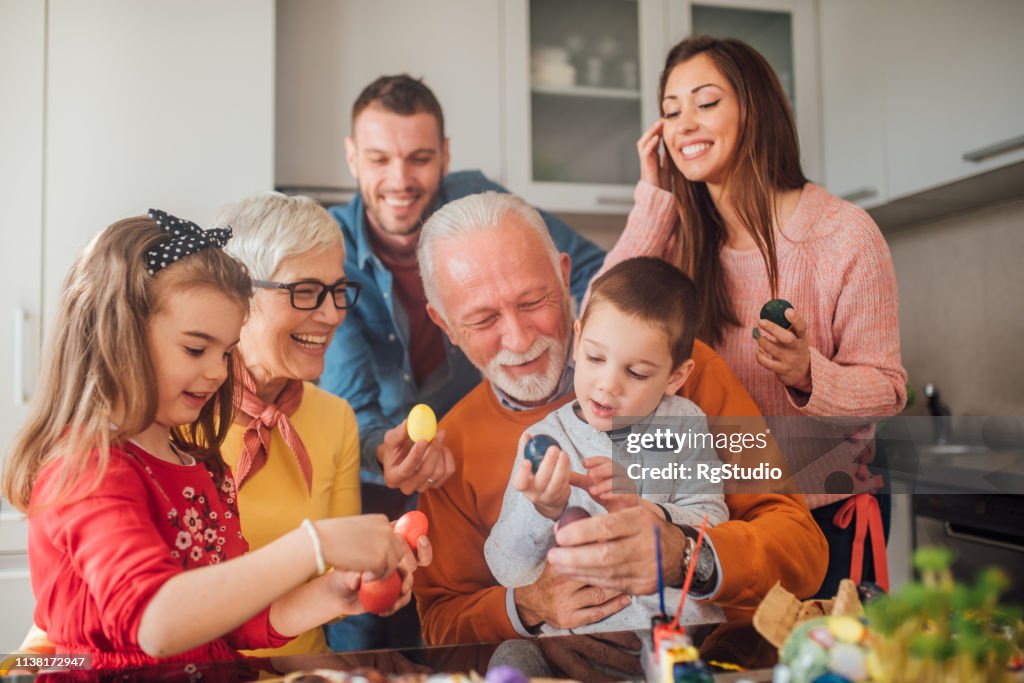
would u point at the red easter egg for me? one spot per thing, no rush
(411, 526)
(381, 595)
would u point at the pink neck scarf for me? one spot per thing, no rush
(264, 418)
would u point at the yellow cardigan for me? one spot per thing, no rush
(274, 500)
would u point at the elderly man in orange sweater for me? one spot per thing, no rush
(499, 289)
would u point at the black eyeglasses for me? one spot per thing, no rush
(308, 295)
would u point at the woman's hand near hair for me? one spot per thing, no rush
(785, 352)
(654, 163)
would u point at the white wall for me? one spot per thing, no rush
(329, 50)
(960, 283)
(152, 104)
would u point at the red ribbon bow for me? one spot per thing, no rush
(864, 507)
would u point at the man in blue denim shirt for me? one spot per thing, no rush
(388, 355)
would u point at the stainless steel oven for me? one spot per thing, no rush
(983, 530)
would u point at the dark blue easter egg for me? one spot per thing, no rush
(775, 311)
(535, 449)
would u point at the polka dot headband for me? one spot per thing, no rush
(185, 238)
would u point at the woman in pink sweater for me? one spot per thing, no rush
(727, 202)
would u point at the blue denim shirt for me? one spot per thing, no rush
(368, 363)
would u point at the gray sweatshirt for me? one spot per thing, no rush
(519, 542)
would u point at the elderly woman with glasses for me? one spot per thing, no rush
(294, 448)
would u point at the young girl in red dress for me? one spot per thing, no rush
(135, 548)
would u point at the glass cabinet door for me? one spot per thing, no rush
(581, 87)
(584, 90)
(770, 32)
(581, 81)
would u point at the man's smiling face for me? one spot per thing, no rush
(399, 162)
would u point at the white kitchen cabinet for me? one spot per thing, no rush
(853, 100)
(953, 90)
(109, 108)
(581, 79)
(16, 601)
(22, 89)
(329, 50)
(22, 49)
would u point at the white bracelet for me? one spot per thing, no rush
(321, 566)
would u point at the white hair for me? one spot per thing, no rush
(475, 212)
(269, 227)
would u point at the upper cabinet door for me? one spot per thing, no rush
(786, 33)
(329, 50)
(22, 91)
(954, 94)
(22, 88)
(853, 100)
(580, 82)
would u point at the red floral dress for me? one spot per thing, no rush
(97, 560)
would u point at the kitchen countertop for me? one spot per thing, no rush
(956, 468)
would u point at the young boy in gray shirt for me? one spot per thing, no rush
(632, 352)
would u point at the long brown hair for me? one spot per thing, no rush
(99, 363)
(766, 161)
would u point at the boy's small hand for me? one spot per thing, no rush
(548, 489)
(607, 483)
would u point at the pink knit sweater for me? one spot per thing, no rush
(836, 270)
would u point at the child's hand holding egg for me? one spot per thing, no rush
(536, 448)
(380, 596)
(542, 479)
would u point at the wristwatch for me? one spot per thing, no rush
(704, 571)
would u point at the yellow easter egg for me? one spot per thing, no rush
(846, 629)
(422, 424)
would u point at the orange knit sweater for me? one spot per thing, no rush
(768, 537)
